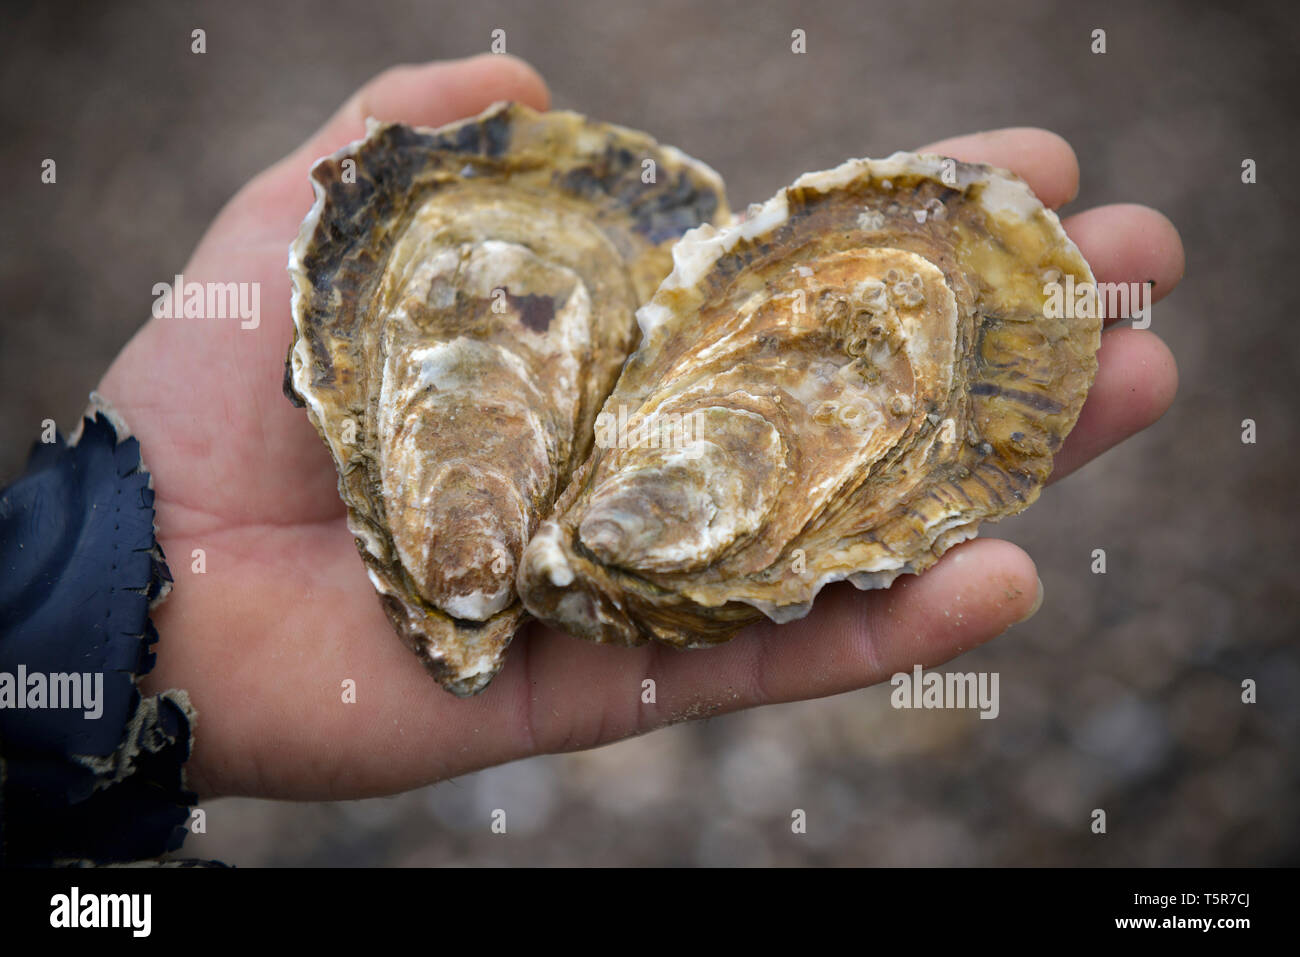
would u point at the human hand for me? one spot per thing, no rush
(284, 612)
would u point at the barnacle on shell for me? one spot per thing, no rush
(843, 386)
(463, 300)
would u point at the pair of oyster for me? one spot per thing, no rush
(557, 378)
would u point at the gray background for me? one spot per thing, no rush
(1122, 693)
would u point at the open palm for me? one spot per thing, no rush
(283, 613)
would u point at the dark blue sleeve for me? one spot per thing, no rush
(89, 769)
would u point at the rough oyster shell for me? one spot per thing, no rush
(841, 387)
(463, 299)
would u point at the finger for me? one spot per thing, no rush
(1128, 243)
(1137, 378)
(429, 94)
(974, 593)
(852, 639)
(1041, 158)
(269, 209)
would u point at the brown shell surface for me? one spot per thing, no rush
(463, 300)
(841, 387)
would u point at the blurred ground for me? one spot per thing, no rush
(1124, 691)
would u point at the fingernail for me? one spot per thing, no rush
(1038, 603)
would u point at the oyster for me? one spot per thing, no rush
(841, 387)
(463, 299)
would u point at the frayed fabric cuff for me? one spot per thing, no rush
(91, 771)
